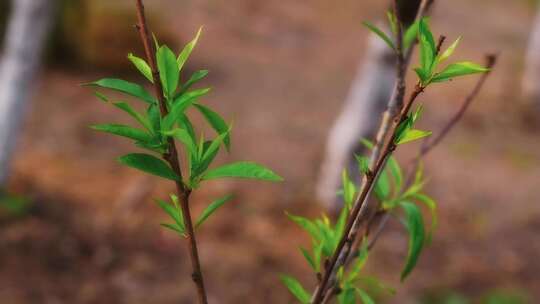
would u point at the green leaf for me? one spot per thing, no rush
(175, 228)
(149, 164)
(217, 123)
(364, 297)
(347, 296)
(432, 206)
(196, 77)
(125, 87)
(367, 143)
(380, 33)
(168, 70)
(415, 228)
(449, 51)
(382, 186)
(427, 47)
(412, 135)
(349, 189)
(124, 131)
(459, 69)
(186, 139)
(137, 116)
(402, 128)
(307, 225)
(184, 55)
(397, 173)
(142, 66)
(393, 21)
(210, 209)
(242, 170)
(363, 163)
(101, 97)
(296, 289)
(154, 117)
(410, 35)
(174, 213)
(309, 259)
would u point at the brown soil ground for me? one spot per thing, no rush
(280, 71)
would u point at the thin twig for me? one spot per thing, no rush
(171, 156)
(388, 126)
(491, 60)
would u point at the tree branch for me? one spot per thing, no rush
(171, 156)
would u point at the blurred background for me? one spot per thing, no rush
(76, 227)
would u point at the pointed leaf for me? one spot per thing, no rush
(184, 137)
(449, 51)
(149, 164)
(142, 66)
(196, 77)
(174, 213)
(364, 297)
(296, 289)
(308, 258)
(124, 131)
(125, 87)
(136, 115)
(217, 123)
(184, 55)
(427, 47)
(211, 208)
(175, 228)
(168, 70)
(249, 170)
(380, 33)
(415, 228)
(459, 69)
(412, 135)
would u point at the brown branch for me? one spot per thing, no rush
(171, 156)
(388, 126)
(428, 145)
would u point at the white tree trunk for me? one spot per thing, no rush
(362, 111)
(531, 80)
(27, 29)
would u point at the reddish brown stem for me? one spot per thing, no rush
(171, 156)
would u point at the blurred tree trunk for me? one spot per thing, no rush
(26, 34)
(361, 113)
(531, 80)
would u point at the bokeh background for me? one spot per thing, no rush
(86, 229)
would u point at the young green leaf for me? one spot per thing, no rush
(136, 115)
(142, 66)
(149, 164)
(196, 77)
(168, 71)
(380, 33)
(125, 87)
(415, 228)
(307, 225)
(458, 69)
(347, 296)
(382, 186)
(174, 213)
(410, 36)
(296, 289)
(101, 97)
(124, 131)
(184, 137)
(210, 209)
(364, 297)
(249, 170)
(427, 47)
(349, 189)
(184, 55)
(175, 228)
(363, 163)
(412, 135)
(393, 21)
(449, 51)
(309, 259)
(432, 206)
(216, 121)
(397, 173)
